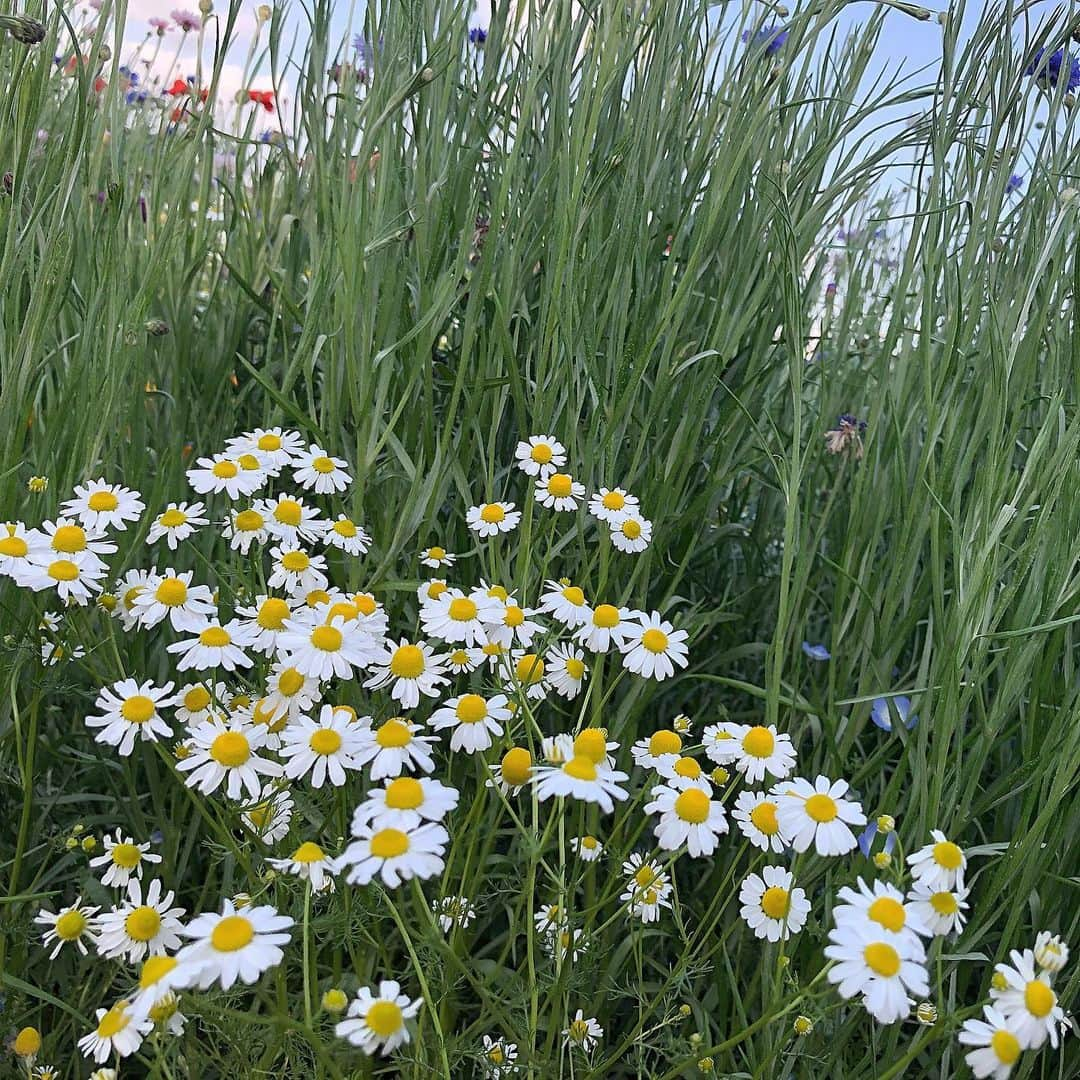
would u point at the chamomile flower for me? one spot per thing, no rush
(275, 447)
(474, 720)
(228, 752)
(314, 470)
(580, 778)
(457, 618)
(431, 590)
(566, 670)
(409, 670)
(100, 506)
(223, 474)
(562, 943)
(586, 848)
(756, 817)
(660, 748)
(291, 521)
(453, 912)
(497, 1057)
(394, 748)
(123, 859)
(142, 925)
(176, 523)
(197, 701)
(436, 557)
(289, 691)
(461, 661)
(997, 1047)
(652, 647)
(344, 534)
(378, 1023)
(761, 750)
(490, 519)
(67, 539)
(559, 491)
(127, 590)
(75, 924)
(1027, 1001)
(265, 619)
(1051, 953)
(609, 626)
(14, 547)
(513, 772)
(771, 907)
(609, 504)
(884, 906)
(325, 650)
(172, 596)
(405, 802)
(233, 945)
(322, 749)
(885, 968)
(395, 855)
(941, 912)
(309, 863)
(157, 979)
(117, 1032)
(684, 772)
(592, 742)
(270, 815)
(131, 710)
(214, 646)
(940, 865)
(818, 815)
(539, 455)
(566, 604)
(296, 570)
(244, 528)
(583, 1034)
(75, 578)
(631, 534)
(687, 817)
(527, 673)
(648, 888)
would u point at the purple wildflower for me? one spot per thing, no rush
(816, 652)
(771, 38)
(162, 26)
(1048, 71)
(1015, 183)
(186, 20)
(881, 713)
(477, 35)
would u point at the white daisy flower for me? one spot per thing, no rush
(294, 569)
(684, 772)
(290, 521)
(559, 491)
(512, 626)
(344, 534)
(1051, 953)
(1027, 1000)
(75, 578)
(101, 506)
(882, 905)
(755, 815)
(176, 523)
(371, 615)
(609, 626)
(290, 692)
(127, 589)
(662, 747)
(648, 888)
(562, 943)
(631, 534)
(770, 906)
(157, 978)
(233, 945)
(314, 470)
(395, 855)
(222, 473)
(378, 1023)
(461, 661)
(609, 504)
(196, 701)
(270, 815)
(940, 911)
(409, 670)
(245, 527)
(997, 1048)
(540, 455)
(490, 519)
(140, 926)
(457, 618)
(14, 547)
(227, 752)
(566, 670)
(722, 742)
(586, 848)
(405, 802)
(123, 859)
(309, 863)
(265, 619)
(583, 1034)
(322, 749)
(817, 815)
(436, 557)
(473, 719)
(75, 924)
(761, 750)
(940, 865)
(431, 590)
(513, 772)
(497, 1057)
(325, 650)
(566, 604)
(275, 447)
(172, 596)
(117, 1032)
(580, 778)
(453, 912)
(652, 647)
(687, 817)
(214, 646)
(394, 747)
(67, 539)
(130, 711)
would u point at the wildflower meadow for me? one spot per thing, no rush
(539, 542)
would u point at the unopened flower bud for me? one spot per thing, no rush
(803, 1025)
(206, 8)
(37, 485)
(427, 75)
(335, 1000)
(926, 1013)
(1051, 953)
(88, 844)
(882, 860)
(27, 1043)
(263, 13)
(685, 1010)
(886, 823)
(720, 776)
(23, 29)
(706, 1064)
(695, 1039)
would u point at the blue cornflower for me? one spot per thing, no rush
(771, 38)
(477, 35)
(1048, 72)
(1015, 183)
(365, 51)
(881, 714)
(816, 652)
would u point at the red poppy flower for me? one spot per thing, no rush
(265, 98)
(179, 87)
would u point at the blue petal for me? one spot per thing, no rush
(879, 713)
(815, 652)
(866, 838)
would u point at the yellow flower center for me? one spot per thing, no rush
(343, 608)
(142, 923)
(323, 465)
(613, 500)
(591, 743)
(435, 589)
(514, 616)
(821, 808)
(316, 597)
(645, 876)
(693, 806)
(295, 561)
(948, 856)
(69, 539)
(560, 485)
(325, 741)
(774, 902)
(344, 527)
(759, 742)
(656, 641)
(224, 470)
(248, 521)
(541, 453)
(215, 637)
(289, 512)
(63, 570)
(230, 749)
(27, 1043)
(575, 668)
(529, 669)
(495, 1055)
(944, 903)
(887, 912)
(492, 513)
(580, 768)
(664, 741)
(103, 501)
(232, 933)
(126, 856)
(308, 853)
(249, 462)
(462, 609)
(579, 1030)
(407, 662)
(384, 1018)
(70, 925)
(404, 793)
(13, 546)
(171, 592)
(471, 709)
(272, 613)
(436, 553)
(687, 767)
(393, 733)
(573, 595)
(1006, 1046)
(606, 616)
(499, 593)
(365, 603)
(113, 1022)
(882, 959)
(516, 766)
(290, 682)
(137, 709)
(326, 638)
(389, 844)
(172, 518)
(631, 528)
(764, 817)
(197, 698)
(1039, 998)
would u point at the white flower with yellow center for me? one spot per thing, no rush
(265, 619)
(140, 926)
(562, 942)
(290, 692)
(608, 626)
(490, 519)
(65, 538)
(98, 505)
(73, 925)
(818, 815)
(431, 590)
(315, 470)
(513, 772)
(275, 447)
(559, 491)
(127, 590)
(344, 534)
(227, 752)
(609, 504)
(592, 742)
(631, 534)
(270, 815)
(648, 888)
(324, 650)
(395, 855)
(474, 720)
(940, 865)
(291, 521)
(117, 1032)
(296, 570)
(405, 802)
(14, 547)
(758, 750)
(662, 747)
(233, 945)
(526, 673)
(884, 908)
(1027, 1001)
(581, 778)
(453, 912)
(652, 647)
(583, 1034)
(74, 577)
(997, 1047)
(245, 527)
(130, 711)
(566, 604)
(409, 669)
(198, 701)
(176, 523)
(123, 860)
(395, 747)
(1051, 953)
(512, 625)
(566, 670)
(224, 474)
(214, 646)
(755, 815)
(940, 911)
(371, 615)
(323, 749)
(684, 772)
(309, 863)
(461, 661)
(379, 1022)
(770, 906)
(172, 596)
(586, 848)
(539, 455)
(885, 968)
(157, 978)
(457, 618)
(436, 557)
(497, 1057)
(689, 817)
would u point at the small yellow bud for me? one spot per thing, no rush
(926, 1013)
(720, 776)
(706, 1064)
(107, 602)
(181, 751)
(37, 485)
(883, 860)
(27, 1043)
(803, 1025)
(335, 1000)
(71, 843)
(999, 982)
(886, 823)
(88, 844)
(685, 1010)
(78, 830)
(263, 13)
(695, 1040)
(241, 900)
